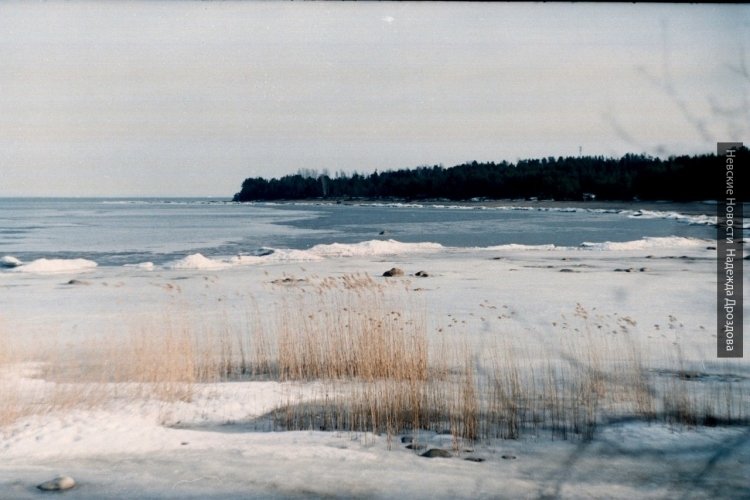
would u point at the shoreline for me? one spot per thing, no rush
(704, 207)
(707, 207)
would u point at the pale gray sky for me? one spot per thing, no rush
(190, 98)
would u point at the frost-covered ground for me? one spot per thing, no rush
(660, 293)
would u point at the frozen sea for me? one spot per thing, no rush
(116, 232)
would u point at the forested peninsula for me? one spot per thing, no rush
(632, 177)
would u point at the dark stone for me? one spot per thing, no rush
(394, 271)
(78, 282)
(509, 457)
(437, 453)
(422, 274)
(474, 459)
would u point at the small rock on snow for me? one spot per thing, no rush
(394, 271)
(60, 483)
(437, 453)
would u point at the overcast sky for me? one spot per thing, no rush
(190, 98)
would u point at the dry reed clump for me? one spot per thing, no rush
(11, 408)
(17, 399)
(164, 363)
(351, 329)
(505, 410)
(504, 392)
(10, 404)
(369, 343)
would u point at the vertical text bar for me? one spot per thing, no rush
(729, 260)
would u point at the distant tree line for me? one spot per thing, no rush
(678, 178)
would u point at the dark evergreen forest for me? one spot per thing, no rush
(642, 177)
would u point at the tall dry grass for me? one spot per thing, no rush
(361, 333)
(377, 365)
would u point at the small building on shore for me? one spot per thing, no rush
(589, 197)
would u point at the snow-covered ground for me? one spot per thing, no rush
(660, 293)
